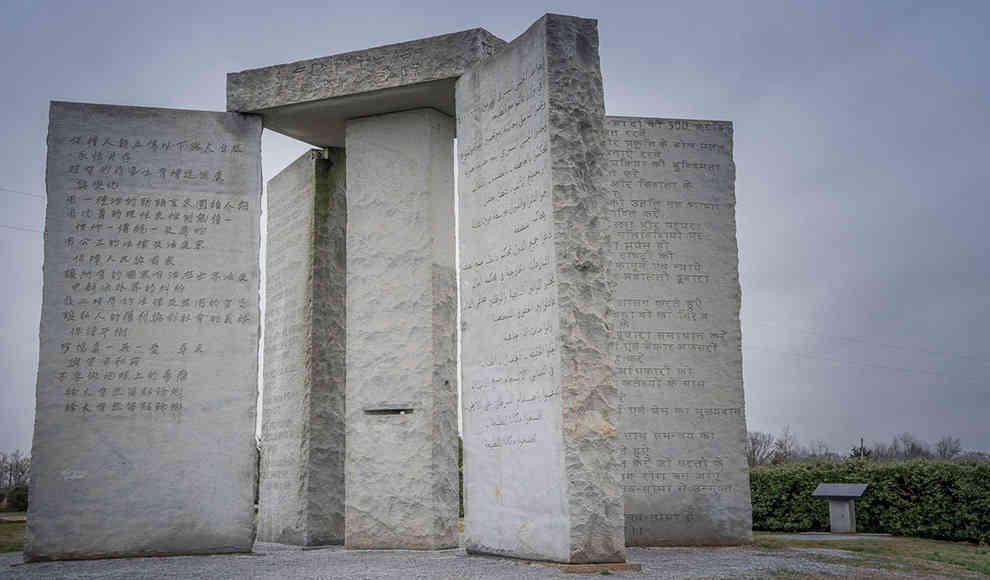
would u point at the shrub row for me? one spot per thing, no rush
(17, 497)
(923, 498)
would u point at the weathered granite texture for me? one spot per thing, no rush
(401, 467)
(540, 422)
(147, 381)
(302, 430)
(311, 100)
(677, 339)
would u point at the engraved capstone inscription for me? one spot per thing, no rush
(147, 383)
(538, 399)
(676, 341)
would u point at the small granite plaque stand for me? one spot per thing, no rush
(539, 403)
(301, 495)
(841, 504)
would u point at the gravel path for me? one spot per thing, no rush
(277, 561)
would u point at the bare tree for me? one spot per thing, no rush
(913, 447)
(759, 448)
(820, 450)
(23, 471)
(14, 469)
(948, 447)
(785, 447)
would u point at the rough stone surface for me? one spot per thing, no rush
(677, 340)
(401, 467)
(147, 381)
(540, 423)
(311, 100)
(302, 430)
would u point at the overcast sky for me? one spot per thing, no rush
(861, 145)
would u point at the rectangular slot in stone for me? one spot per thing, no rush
(388, 411)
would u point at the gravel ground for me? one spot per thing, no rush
(277, 561)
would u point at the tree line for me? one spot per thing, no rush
(15, 469)
(768, 449)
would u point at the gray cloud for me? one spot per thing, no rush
(861, 146)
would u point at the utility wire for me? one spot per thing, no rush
(29, 194)
(868, 365)
(20, 228)
(861, 340)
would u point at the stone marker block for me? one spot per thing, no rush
(842, 516)
(539, 402)
(401, 467)
(302, 429)
(311, 100)
(841, 504)
(147, 381)
(677, 341)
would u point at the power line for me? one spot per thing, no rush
(22, 229)
(868, 365)
(880, 344)
(27, 193)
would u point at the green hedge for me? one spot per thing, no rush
(923, 498)
(17, 498)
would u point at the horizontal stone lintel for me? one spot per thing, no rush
(311, 100)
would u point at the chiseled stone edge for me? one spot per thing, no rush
(576, 108)
(324, 494)
(349, 73)
(301, 171)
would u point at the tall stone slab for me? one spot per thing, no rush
(144, 439)
(677, 339)
(401, 466)
(539, 402)
(301, 498)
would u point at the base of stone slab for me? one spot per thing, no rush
(830, 537)
(339, 544)
(689, 544)
(590, 568)
(74, 556)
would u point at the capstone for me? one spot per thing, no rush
(312, 100)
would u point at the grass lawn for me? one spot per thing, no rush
(11, 537)
(912, 555)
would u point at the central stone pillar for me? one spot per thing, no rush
(401, 414)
